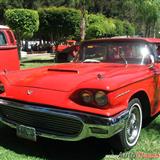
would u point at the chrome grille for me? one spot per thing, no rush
(49, 123)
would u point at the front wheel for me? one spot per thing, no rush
(128, 137)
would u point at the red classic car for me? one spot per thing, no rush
(111, 88)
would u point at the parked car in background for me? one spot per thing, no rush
(9, 59)
(32, 47)
(61, 47)
(110, 90)
(67, 55)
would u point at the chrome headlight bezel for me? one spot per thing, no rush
(90, 97)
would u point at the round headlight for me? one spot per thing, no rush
(100, 98)
(87, 97)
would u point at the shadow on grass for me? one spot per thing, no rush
(51, 149)
(155, 125)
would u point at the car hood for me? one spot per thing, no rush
(67, 77)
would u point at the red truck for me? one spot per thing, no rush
(9, 59)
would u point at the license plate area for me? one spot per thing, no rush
(26, 132)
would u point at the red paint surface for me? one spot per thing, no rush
(9, 59)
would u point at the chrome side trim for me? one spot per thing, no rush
(122, 94)
(93, 125)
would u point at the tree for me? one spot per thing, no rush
(95, 30)
(148, 14)
(143, 14)
(24, 22)
(129, 29)
(27, 4)
(59, 23)
(82, 5)
(100, 26)
(95, 26)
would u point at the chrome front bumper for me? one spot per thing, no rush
(92, 125)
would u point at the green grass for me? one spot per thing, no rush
(13, 148)
(37, 61)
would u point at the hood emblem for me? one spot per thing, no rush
(100, 76)
(29, 92)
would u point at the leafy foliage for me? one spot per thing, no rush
(129, 29)
(97, 26)
(24, 22)
(95, 31)
(100, 26)
(58, 23)
(144, 15)
(148, 14)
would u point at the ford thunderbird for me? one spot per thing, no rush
(110, 90)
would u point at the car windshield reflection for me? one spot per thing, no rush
(115, 52)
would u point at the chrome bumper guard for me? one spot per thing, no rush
(93, 125)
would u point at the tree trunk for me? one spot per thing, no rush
(82, 28)
(146, 30)
(154, 29)
(83, 24)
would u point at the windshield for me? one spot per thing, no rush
(115, 52)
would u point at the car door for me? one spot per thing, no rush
(9, 58)
(156, 81)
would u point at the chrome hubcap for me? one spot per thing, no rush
(133, 126)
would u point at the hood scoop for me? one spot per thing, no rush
(62, 70)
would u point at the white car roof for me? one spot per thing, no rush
(4, 27)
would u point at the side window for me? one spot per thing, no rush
(158, 50)
(2, 39)
(10, 37)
